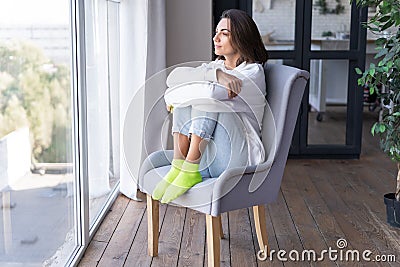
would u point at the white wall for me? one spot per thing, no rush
(188, 31)
(15, 156)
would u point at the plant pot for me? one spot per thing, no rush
(392, 210)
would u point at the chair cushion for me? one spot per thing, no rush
(198, 197)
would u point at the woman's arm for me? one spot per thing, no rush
(210, 72)
(193, 88)
(195, 92)
(205, 72)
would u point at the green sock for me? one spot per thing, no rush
(187, 178)
(160, 188)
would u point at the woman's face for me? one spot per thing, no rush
(222, 39)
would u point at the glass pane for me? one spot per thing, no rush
(328, 101)
(37, 225)
(102, 59)
(276, 22)
(330, 28)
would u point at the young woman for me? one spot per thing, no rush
(218, 108)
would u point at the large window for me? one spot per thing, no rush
(36, 130)
(59, 121)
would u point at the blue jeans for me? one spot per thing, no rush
(224, 131)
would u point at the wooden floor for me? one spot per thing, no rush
(321, 201)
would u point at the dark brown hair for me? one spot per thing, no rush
(245, 37)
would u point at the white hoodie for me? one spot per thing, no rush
(199, 88)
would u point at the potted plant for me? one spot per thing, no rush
(386, 75)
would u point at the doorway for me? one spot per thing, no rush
(329, 41)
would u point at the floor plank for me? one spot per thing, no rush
(138, 253)
(349, 221)
(170, 237)
(241, 239)
(193, 240)
(119, 245)
(309, 232)
(324, 219)
(107, 228)
(285, 231)
(93, 254)
(371, 213)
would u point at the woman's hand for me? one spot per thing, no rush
(170, 108)
(230, 82)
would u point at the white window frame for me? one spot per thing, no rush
(84, 231)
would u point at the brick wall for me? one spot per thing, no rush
(279, 17)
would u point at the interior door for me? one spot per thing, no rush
(328, 41)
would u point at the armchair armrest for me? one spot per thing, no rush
(231, 177)
(156, 159)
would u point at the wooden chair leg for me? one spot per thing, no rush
(213, 240)
(221, 230)
(152, 225)
(261, 227)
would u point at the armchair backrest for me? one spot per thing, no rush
(285, 88)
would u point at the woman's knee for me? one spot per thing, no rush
(181, 120)
(203, 124)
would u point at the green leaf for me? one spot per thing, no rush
(358, 71)
(380, 41)
(382, 128)
(373, 129)
(387, 25)
(374, 29)
(384, 18)
(381, 53)
(371, 90)
(397, 63)
(396, 18)
(372, 72)
(384, 8)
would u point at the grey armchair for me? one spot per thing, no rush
(236, 188)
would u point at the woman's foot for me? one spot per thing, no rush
(160, 188)
(187, 178)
